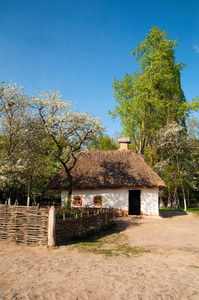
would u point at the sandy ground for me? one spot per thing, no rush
(169, 271)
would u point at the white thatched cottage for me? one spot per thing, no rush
(118, 178)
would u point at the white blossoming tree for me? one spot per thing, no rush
(14, 119)
(69, 130)
(179, 161)
(32, 129)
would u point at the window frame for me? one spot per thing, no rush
(74, 200)
(97, 204)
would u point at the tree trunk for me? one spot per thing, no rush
(176, 201)
(51, 227)
(183, 191)
(34, 201)
(161, 203)
(188, 197)
(29, 187)
(9, 198)
(185, 204)
(70, 187)
(169, 201)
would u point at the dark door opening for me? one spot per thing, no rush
(134, 202)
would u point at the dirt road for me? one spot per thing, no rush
(166, 265)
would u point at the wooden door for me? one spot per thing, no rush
(134, 202)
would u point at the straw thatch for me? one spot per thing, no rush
(108, 170)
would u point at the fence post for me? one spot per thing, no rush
(51, 227)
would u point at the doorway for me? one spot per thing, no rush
(134, 202)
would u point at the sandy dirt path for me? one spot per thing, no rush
(169, 271)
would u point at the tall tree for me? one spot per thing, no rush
(149, 99)
(69, 130)
(35, 154)
(179, 160)
(14, 118)
(35, 131)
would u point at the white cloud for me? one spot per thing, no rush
(196, 48)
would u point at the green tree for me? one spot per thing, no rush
(149, 99)
(104, 142)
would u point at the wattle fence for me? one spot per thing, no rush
(34, 225)
(24, 224)
(67, 229)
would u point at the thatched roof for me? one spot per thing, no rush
(108, 170)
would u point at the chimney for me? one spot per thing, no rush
(124, 143)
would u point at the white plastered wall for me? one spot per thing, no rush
(149, 202)
(116, 198)
(119, 199)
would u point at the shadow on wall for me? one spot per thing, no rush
(171, 213)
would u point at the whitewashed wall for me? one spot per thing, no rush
(149, 201)
(119, 199)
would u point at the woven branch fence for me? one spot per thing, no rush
(69, 228)
(24, 224)
(34, 225)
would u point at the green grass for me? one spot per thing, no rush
(169, 208)
(108, 243)
(110, 249)
(172, 209)
(107, 252)
(126, 250)
(194, 210)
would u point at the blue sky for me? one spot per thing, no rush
(81, 46)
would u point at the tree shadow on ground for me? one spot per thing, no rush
(171, 213)
(118, 225)
(127, 222)
(91, 236)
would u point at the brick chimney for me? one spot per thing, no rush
(124, 143)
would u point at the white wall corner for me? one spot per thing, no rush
(149, 202)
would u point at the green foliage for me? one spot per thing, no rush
(104, 142)
(148, 103)
(149, 99)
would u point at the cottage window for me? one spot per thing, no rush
(97, 200)
(77, 201)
